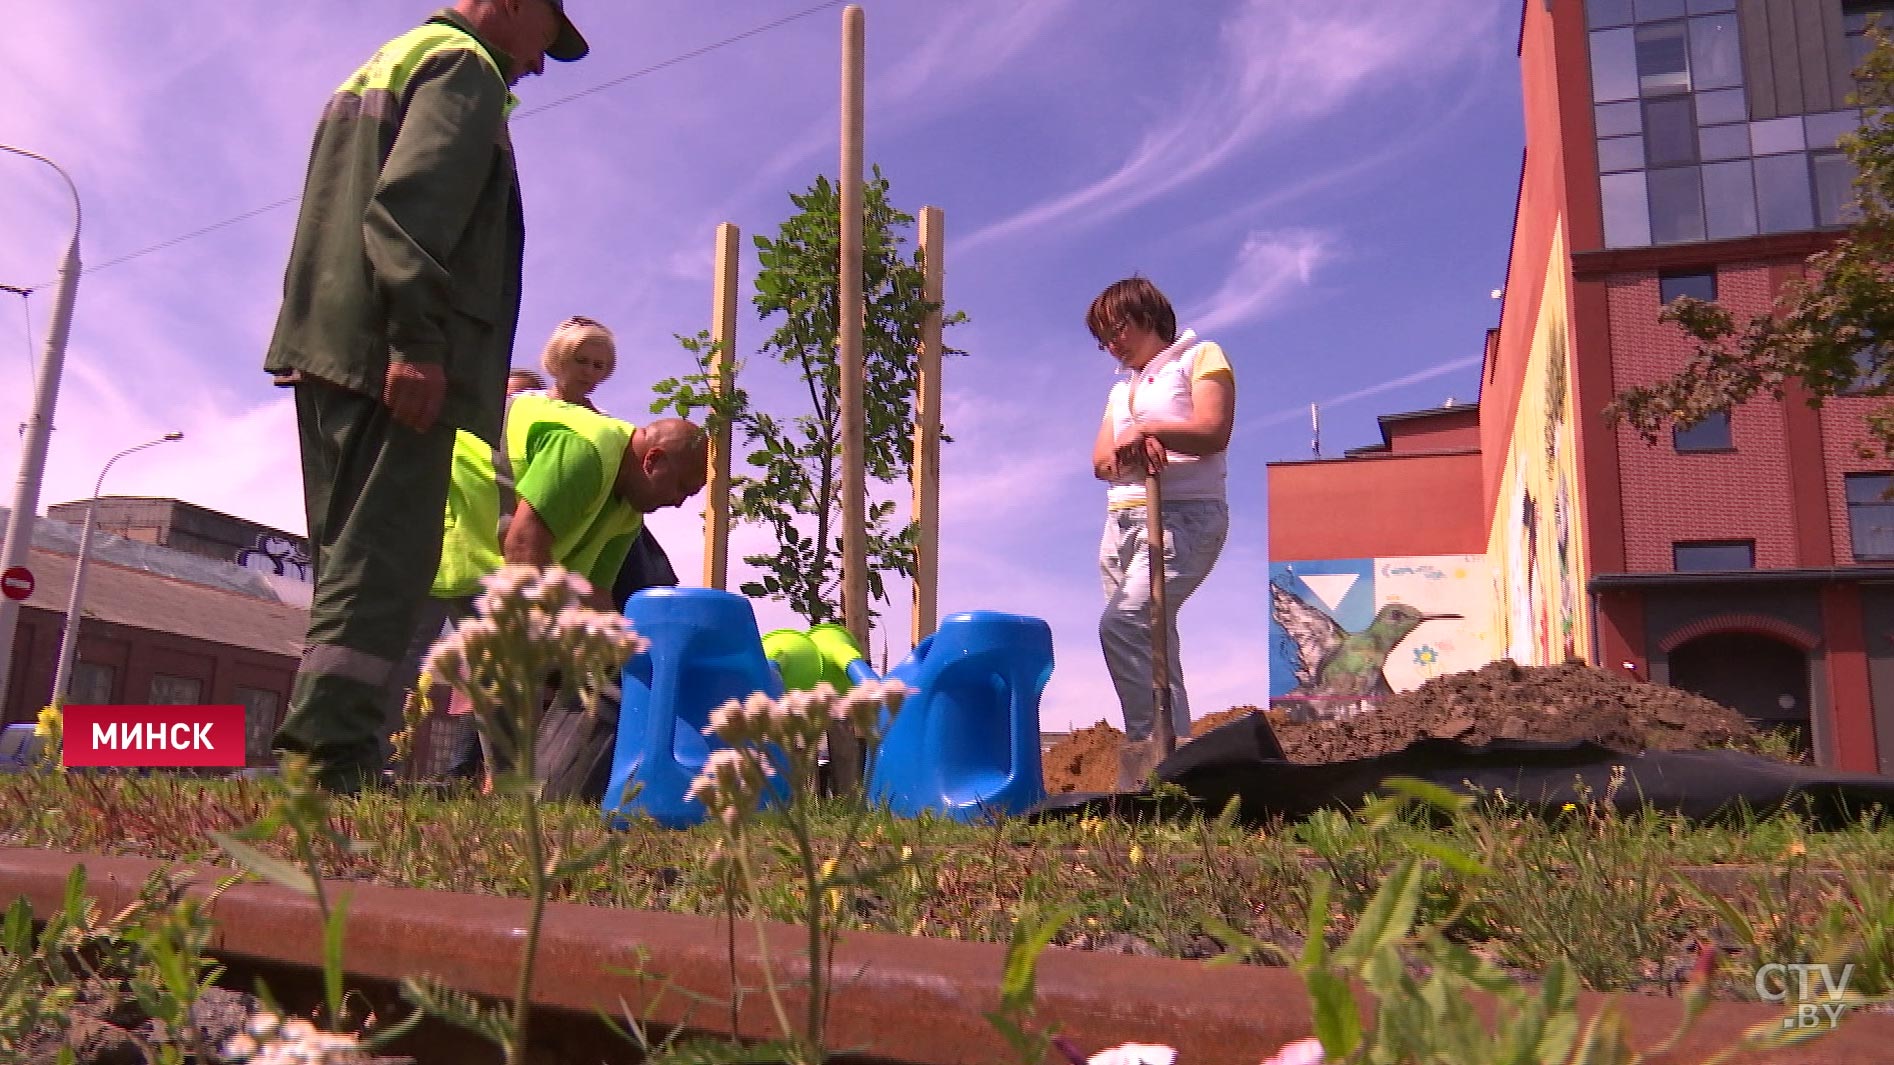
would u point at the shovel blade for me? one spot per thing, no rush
(1137, 760)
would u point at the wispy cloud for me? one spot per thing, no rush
(1275, 67)
(1288, 414)
(1268, 267)
(928, 66)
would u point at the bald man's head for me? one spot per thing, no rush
(665, 464)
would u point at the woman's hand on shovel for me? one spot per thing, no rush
(1138, 451)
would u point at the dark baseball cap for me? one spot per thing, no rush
(570, 44)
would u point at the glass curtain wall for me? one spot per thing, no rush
(1678, 158)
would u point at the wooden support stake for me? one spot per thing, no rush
(723, 332)
(933, 237)
(845, 755)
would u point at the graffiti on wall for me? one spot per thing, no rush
(276, 556)
(1538, 561)
(1347, 633)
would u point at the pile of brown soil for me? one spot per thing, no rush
(1087, 760)
(1506, 701)
(1502, 700)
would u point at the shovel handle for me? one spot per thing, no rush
(1165, 732)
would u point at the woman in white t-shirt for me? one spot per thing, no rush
(1173, 408)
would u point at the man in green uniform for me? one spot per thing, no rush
(399, 309)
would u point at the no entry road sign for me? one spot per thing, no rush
(17, 582)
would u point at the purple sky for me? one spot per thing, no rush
(1326, 189)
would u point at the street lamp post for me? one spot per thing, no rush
(39, 426)
(69, 641)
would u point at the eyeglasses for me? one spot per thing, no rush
(580, 319)
(1113, 334)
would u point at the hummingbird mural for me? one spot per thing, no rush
(1339, 673)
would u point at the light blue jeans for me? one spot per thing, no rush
(1194, 531)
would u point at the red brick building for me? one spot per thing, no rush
(151, 638)
(1673, 147)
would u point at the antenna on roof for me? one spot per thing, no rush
(1315, 429)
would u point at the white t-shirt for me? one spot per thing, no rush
(1163, 394)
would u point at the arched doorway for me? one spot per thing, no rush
(1761, 677)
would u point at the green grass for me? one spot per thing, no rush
(1608, 892)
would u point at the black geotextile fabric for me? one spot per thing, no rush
(1242, 759)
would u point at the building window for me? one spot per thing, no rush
(259, 722)
(1856, 15)
(1670, 131)
(1620, 153)
(1716, 57)
(1826, 129)
(1835, 203)
(1697, 284)
(91, 684)
(1622, 119)
(1711, 556)
(1676, 205)
(1775, 135)
(1871, 360)
(1724, 142)
(1614, 66)
(1602, 14)
(1784, 198)
(1688, 165)
(175, 691)
(1870, 514)
(1710, 434)
(1663, 59)
(1729, 199)
(1627, 212)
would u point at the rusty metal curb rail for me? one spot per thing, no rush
(900, 999)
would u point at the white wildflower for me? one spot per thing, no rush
(296, 1042)
(730, 723)
(862, 706)
(1300, 1052)
(1134, 1054)
(730, 784)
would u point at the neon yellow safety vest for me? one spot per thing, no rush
(470, 545)
(388, 70)
(470, 540)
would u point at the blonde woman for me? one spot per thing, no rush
(579, 356)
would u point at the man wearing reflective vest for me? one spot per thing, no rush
(571, 489)
(399, 308)
(574, 492)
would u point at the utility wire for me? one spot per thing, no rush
(193, 234)
(695, 53)
(684, 57)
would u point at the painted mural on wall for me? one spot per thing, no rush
(1346, 633)
(1535, 545)
(276, 556)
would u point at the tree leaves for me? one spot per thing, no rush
(794, 482)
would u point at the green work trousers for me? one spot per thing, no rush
(375, 491)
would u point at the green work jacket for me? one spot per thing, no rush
(411, 234)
